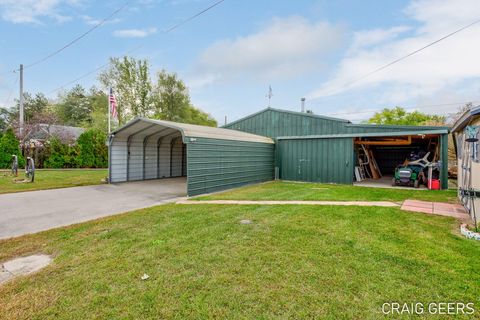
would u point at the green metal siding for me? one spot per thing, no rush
(273, 123)
(366, 128)
(317, 160)
(214, 165)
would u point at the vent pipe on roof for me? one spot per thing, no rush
(303, 104)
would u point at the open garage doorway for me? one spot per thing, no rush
(146, 151)
(412, 160)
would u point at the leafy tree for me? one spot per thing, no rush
(171, 101)
(5, 119)
(75, 107)
(93, 152)
(166, 99)
(197, 116)
(399, 116)
(98, 116)
(130, 79)
(9, 146)
(37, 109)
(32, 106)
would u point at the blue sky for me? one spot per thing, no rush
(229, 56)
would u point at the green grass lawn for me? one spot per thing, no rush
(285, 190)
(51, 179)
(292, 262)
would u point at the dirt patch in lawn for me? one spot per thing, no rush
(23, 266)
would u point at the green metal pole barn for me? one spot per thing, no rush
(321, 149)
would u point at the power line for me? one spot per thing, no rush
(168, 30)
(350, 83)
(193, 17)
(93, 71)
(78, 38)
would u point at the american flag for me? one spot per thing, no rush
(113, 104)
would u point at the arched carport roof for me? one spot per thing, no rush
(143, 127)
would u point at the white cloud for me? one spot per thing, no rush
(134, 33)
(284, 48)
(30, 11)
(369, 38)
(91, 21)
(444, 66)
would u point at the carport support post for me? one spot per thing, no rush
(172, 142)
(184, 147)
(145, 140)
(444, 159)
(129, 142)
(159, 143)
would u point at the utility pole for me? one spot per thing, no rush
(225, 120)
(22, 117)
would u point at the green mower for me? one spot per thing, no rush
(411, 173)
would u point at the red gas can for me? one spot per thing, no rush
(434, 184)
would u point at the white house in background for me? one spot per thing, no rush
(466, 132)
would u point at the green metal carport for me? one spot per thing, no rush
(211, 159)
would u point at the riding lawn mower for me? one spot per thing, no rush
(412, 172)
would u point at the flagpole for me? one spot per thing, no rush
(109, 137)
(109, 110)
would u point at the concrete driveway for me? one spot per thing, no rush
(29, 212)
